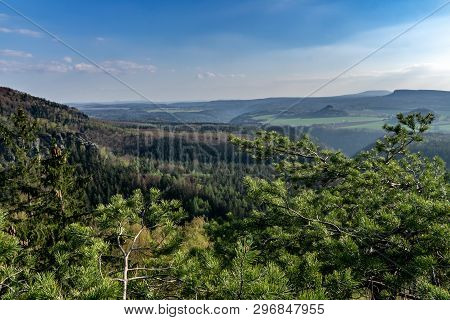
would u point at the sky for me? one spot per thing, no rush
(185, 50)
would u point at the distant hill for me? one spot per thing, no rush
(11, 100)
(327, 112)
(381, 104)
(373, 93)
(119, 137)
(423, 111)
(421, 93)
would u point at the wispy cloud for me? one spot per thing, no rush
(113, 66)
(419, 59)
(100, 39)
(213, 75)
(21, 67)
(85, 67)
(116, 67)
(206, 75)
(24, 32)
(15, 53)
(53, 66)
(124, 66)
(9, 66)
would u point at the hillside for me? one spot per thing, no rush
(327, 112)
(189, 161)
(332, 125)
(366, 110)
(11, 99)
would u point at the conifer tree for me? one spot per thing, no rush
(372, 226)
(246, 279)
(20, 164)
(141, 232)
(62, 195)
(10, 268)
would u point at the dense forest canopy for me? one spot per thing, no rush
(100, 210)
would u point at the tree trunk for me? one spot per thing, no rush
(125, 277)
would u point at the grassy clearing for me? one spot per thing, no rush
(441, 127)
(173, 110)
(369, 123)
(317, 121)
(375, 125)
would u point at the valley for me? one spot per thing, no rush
(185, 192)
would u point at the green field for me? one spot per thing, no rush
(378, 125)
(174, 110)
(374, 125)
(318, 121)
(444, 127)
(363, 122)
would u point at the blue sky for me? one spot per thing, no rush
(199, 50)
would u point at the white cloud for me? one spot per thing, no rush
(113, 66)
(238, 75)
(25, 32)
(208, 74)
(53, 66)
(116, 67)
(8, 66)
(15, 53)
(124, 66)
(418, 59)
(20, 67)
(100, 39)
(213, 75)
(419, 76)
(86, 67)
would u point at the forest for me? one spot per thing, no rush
(96, 209)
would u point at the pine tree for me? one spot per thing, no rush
(374, 225)
(10, 268)
(246, 279)
(20, 165)
(140, 228)
(62, 198)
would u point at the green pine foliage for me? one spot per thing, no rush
(79, 222)
(373, 226)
